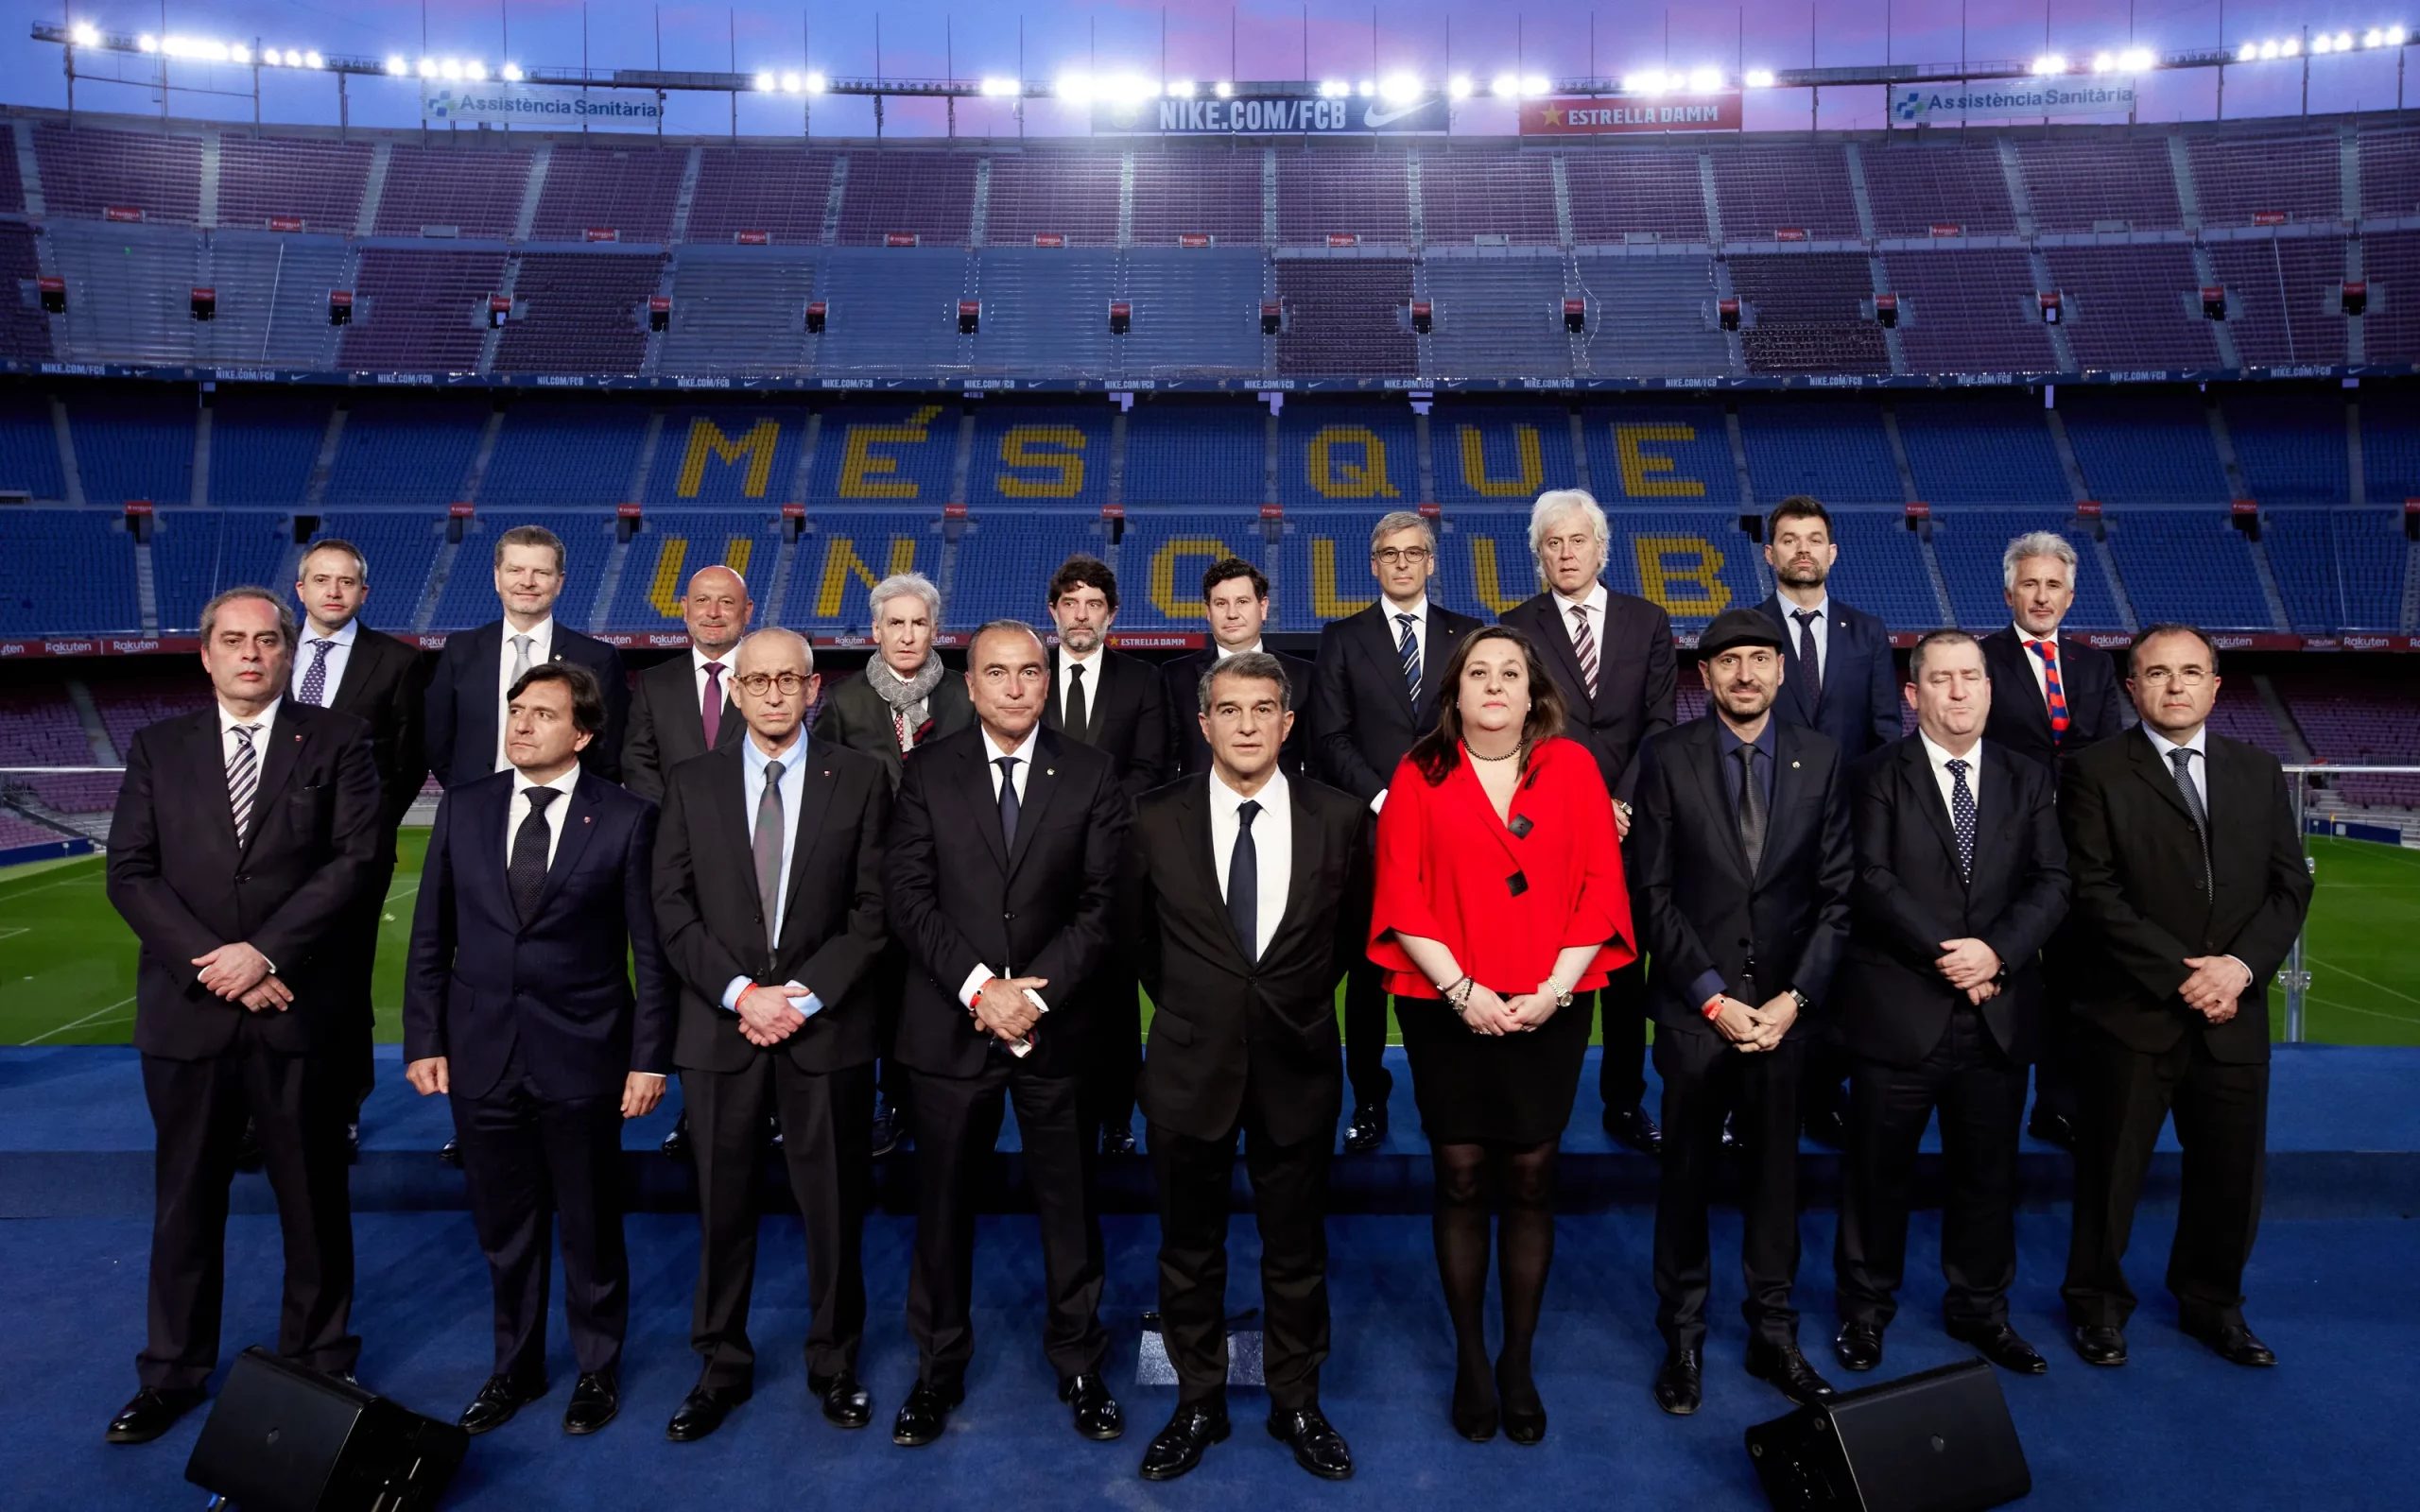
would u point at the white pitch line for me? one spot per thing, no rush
(12, 931)
(2370, 1013)
(2365, 981)
(64, 881)
(81, 1023)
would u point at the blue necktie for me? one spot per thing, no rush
(1008, 765)
(1410, 653)
(1962, 817)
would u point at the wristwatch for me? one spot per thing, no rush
(1800, 998)
(1561, 993)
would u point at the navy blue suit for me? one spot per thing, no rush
(540, 1026)
(459, 711)
(1859, 698)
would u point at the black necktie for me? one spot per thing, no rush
(1962, 816)
(2182, 759)
(1752, 809)
(1243, 883)
(527, 874)
(1806, 657)
(1079, 714)
(1008, 765)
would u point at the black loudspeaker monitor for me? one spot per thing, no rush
(1937, 1441)
(283, 1438)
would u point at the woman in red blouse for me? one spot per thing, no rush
(1499, 895)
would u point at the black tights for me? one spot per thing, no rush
(1522, 1180)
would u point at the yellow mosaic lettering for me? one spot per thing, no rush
(1525, 449)
(1164, 594)
(1018, 448)
(665, 592)
(706, 438)
(860, 465)
(840, 560)
(1326, 605)
(1659, 574)
(1483, 573)
(1334, 478)
(1637, 465)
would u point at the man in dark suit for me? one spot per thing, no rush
(2054, 694)
(1246, 892)
(684, 706)
(345, 665)
(2190, 889)
(519, 1007)
(998, 872)
(1961, 876)
(1374, 692)
(242, 837)
(1235, 593)
(1113, 703)
(1612, 656)
(1840, 681)
(768, 894)
(1741, 871)
(464, 708)
(903, 700)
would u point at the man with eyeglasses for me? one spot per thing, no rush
(1374, 692)
(769, 896)
(2190, 889)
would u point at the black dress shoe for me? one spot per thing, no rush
(1369, 1126)
(1474, 1407)
(152, 1413)
(924, 1415)
(1633, 1127)
(1096, 1414)
(886, 1129)
(676, 1143)
(595, 1401)
(1789, 1372)
(1679, 1384)
(1317, 1447)
(772, 1131)
(1179, 1447)
(2053, 1128)
(1114, 1140)
(451, 1153)
(702, 1411)
(846, 1404)
(1730, 1132)
(2100, 1344)
(2004, 1346)
(1859, 1345)
(2235, 1343)
(496, 1402)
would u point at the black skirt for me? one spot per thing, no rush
(1515, 1088)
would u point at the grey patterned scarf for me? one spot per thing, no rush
(907, 697)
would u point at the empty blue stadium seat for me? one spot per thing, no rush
(95, 541)
(883, 455)
(264, 446)
(1660, 455)
(674, 545)
(1971, 544)
(1040, 457)
(2144, 447)
(1692, 564)
(847, 552)
(2338, 569)
(1160, 563)
(133, 445)
(1006, 557)
(469, 597)
(400, 449)
(1186, 451)
(2290, 447)
(1496, 457)
(198, 552)
(399, 546)
(29, 447)
(726, 453)
(1881, 569)
(2390, 445)
(1837, 452)
(1349, 457)
(558, 452)
(1981, 451)
(2190, 565)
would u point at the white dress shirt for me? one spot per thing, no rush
(754, 763)
(1419, 612)
(2199, 746)
(1940, 759)
(542, 648)
(1822, 609)
(1243, 650)
(972, 987)
(1272, 841)
(1068, 662)
(1595, 603)
(518, 809)
(266, 720)
(2033, 662)
(340, 653)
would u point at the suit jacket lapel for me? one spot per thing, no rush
(979, 797)
(1306, 865)
(1714, 784)
(358, 664)
(1383, 636)
(2157, 772)
(1204, 857)
(280, 746)
(579, 826)
(2036, 709)
(692, 704)
(210, 755)
(814, 795)
(1915, 765)
(1041, 785)
(1787, 781)
(1437, 648)
(1557, 634)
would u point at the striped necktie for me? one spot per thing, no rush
(1584, 645)
(243, 779)
(2057, 696)
(1409, 651)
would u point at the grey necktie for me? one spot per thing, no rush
(1962, 816)
(526, 872)
(1008, 765)
(2182, 760)
(1752, 809)
(520, 657)
(1243, 883)
(769, 852)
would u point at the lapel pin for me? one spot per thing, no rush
(591, 818)
(1793, 767)
(1050, 771)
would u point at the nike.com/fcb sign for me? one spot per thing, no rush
(1271, 114)
(1616, 113)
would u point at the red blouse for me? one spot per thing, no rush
(1506, 905)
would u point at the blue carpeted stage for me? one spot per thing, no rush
(2178, 1427)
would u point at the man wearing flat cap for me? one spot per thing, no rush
(1739, 864)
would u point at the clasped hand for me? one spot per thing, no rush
(1486, 1013)
(1003, 1011)
(1971, 967)
(766, 1016)
(239, 973)
(1755, 1028)
(2218, 982)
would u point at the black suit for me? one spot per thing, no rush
(186, 885)
(2020, 722)
(1702, 911)
(1242, 1042)
(1632, 700)
(540, 1028)
(853, 714)
(958, 895)
(383, 682)
(1915, 1042)
(667, 722)
(464, 706)
(819, 1080)
(2140, 910)
(1181, 687)
(1364, 717)
(1126, 717)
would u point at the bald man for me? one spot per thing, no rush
(683, 707)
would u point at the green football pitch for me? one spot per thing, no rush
(67, 961)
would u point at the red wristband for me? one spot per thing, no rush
(1713, 1006)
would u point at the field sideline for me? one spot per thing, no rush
(67, 961)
